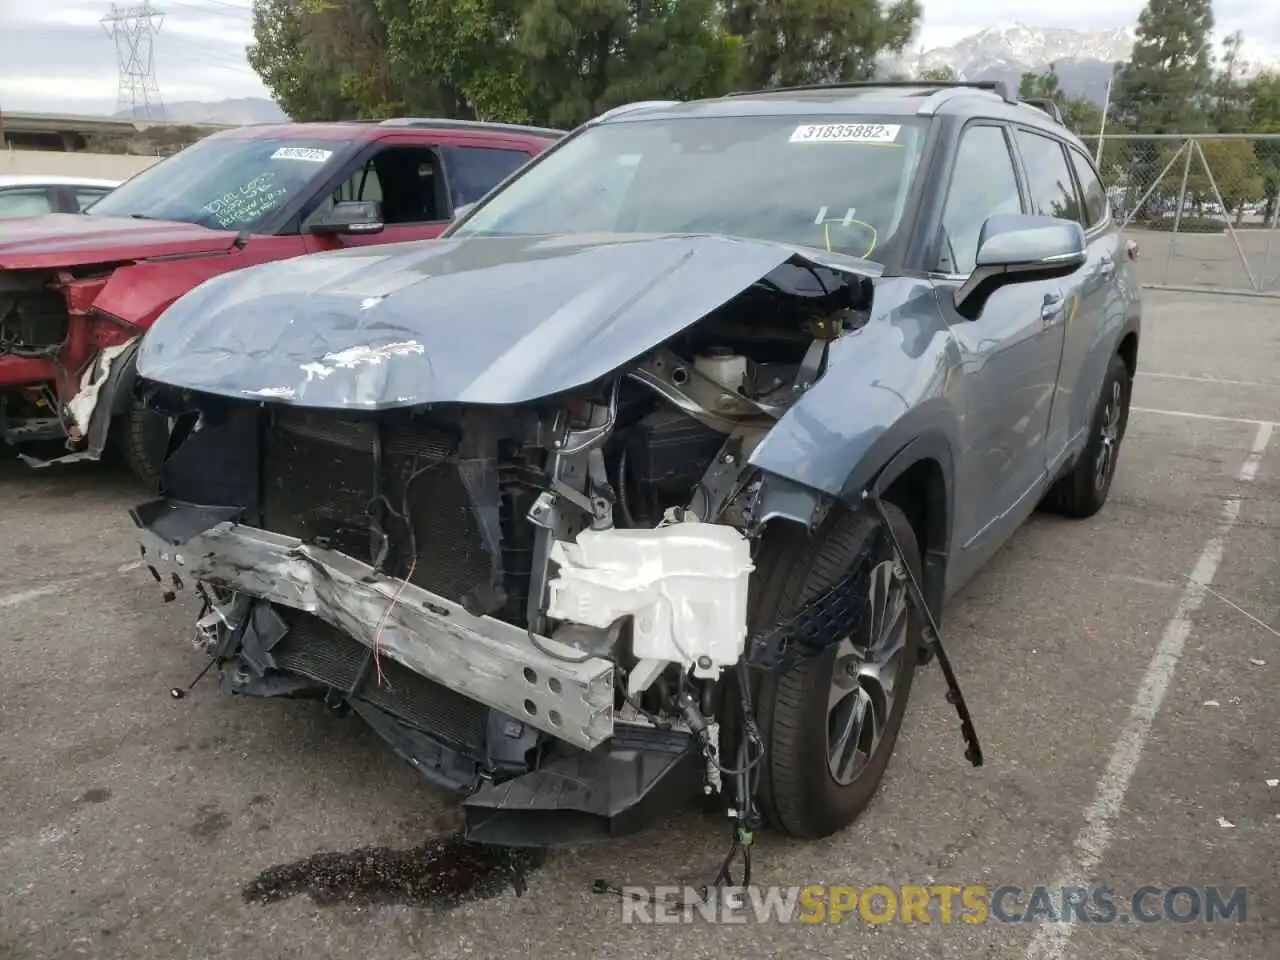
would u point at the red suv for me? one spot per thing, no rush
(78, 290)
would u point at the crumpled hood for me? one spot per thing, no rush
(72, 239)
(483, 320)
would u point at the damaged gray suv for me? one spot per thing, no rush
(649, 479)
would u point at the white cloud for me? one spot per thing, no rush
(58, 56)
(55, 54)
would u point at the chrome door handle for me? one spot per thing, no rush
(1053, 309)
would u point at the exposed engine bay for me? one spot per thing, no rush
(34, 325)
(541, 605)
(56, 352)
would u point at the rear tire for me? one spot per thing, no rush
(808, 712)
(1082, 492)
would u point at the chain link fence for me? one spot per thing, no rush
(1204, 210)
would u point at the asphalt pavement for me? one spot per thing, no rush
(1122, 672)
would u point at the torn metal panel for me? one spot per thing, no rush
(92, 408)
(373, 329)
(482, 658)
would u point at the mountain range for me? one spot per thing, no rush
(238, 112)
(1083, 60)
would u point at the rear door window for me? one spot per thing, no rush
(1053, 192)
(474, 171)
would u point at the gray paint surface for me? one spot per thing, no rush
(486, 320)
(195, 797)
(1004, 398)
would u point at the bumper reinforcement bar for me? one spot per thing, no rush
(483, 658)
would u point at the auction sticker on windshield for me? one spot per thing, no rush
(846, 133)
(310, 154)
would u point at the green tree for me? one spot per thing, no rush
(1079, 114)
(1164, 86)
(586, 56)
(326, 60)
(792, 42)
(1230, 93)
(1041, 86)
(466, 51)
(943, 74)
(1262, 110)
(1234, 169)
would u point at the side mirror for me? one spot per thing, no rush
(1019, 248)
(353, 217)
(461, 210)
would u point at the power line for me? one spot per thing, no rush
(210, 9)
(133, 29)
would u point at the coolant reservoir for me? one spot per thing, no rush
(725, 367)
(685, 584)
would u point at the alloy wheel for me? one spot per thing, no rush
(864, 677)
(1110, 436)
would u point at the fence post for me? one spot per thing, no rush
(1244, 258)
(1177, 213)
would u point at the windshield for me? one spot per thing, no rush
(226, 184)
(838, 186)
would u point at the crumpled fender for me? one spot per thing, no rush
(885, 403)
(106, 391)
(138, 293)
(885, 385)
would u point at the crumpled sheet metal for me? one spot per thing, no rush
(483, 658)
(480, 320)
(90, 409)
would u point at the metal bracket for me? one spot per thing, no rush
(933, 640)
(680, 383)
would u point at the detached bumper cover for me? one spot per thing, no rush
(483, 658)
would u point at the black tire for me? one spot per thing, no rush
(1082, 492)
(144, 439)
(799, 793)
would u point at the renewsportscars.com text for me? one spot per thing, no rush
(935, 904)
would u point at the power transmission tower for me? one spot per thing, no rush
(134, 29)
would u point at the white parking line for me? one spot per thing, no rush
(35, 593)
(23, 596)
(1050, 941)
(1203, 416)
(1221, 380)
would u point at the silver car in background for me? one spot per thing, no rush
(34, 195)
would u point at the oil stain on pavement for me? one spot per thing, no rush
(441, 873)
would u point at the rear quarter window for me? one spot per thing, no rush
(474, 171)
(1095, 194)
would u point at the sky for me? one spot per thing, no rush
(56, 56)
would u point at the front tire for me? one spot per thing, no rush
(144, 438)
(831, 722)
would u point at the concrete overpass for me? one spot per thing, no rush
(45, 131)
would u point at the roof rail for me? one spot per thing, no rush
(998, 87)
(1046, 105)
(446, 123)
(629, 107)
